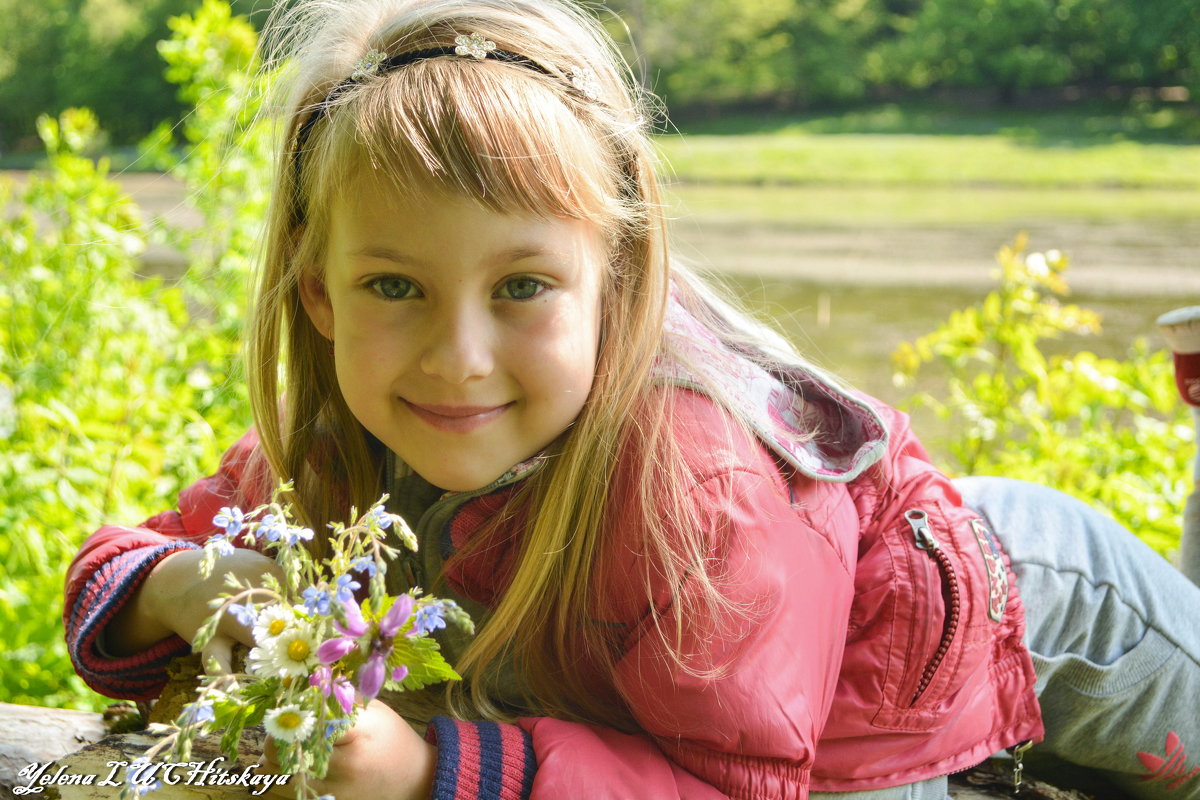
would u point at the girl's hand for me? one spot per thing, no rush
(174, 600)
(381, 757)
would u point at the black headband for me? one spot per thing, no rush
(579, 81)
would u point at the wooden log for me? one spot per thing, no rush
(99, 770)
(29, 734)
(40, 748)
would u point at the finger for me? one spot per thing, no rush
(271, 753)
(290, 789)
(217, 655)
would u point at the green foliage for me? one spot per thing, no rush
(116, 389)
(1112, 433)
(729, 51)
(210, 56)
(99, 53)
(820, 51)
(1016, 44)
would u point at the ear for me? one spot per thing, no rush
(315, 298)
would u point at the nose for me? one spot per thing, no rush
(459, 346)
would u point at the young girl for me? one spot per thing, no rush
(703, 569)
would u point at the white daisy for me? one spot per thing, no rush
(293, 652)
(289, 723)
(260, 661)
(271, 622)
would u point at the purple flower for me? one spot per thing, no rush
(230, 519)
(346, 585)
(370, 677)
(395, 618)
(355, 625)
(316, 601)
(334, 649)
(428, 619)
(341, 688)
(400, 673)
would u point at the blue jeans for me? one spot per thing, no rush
(1114, 631)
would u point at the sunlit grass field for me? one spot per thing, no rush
(1083, 148)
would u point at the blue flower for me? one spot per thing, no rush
(428, 619)
(364, 564)
(335, 726)
(221, 543)
(345, 588)
(198, 712)
(244, 613)
(294, 535)
(382, 518)
(316, 601)
(230, 519)
(270, 527)
(138, 784)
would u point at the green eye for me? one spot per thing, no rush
(522, 288)
(393, 287)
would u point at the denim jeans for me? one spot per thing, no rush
(1114, 631)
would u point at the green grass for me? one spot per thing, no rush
(937, 205)
(923, 146)
(1078, 123)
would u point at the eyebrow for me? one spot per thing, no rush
(504, 256)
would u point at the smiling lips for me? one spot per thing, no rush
(456, 419)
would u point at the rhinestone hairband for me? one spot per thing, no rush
(582, 81)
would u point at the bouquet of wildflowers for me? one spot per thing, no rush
(320, 654)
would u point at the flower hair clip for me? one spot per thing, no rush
(474, 46)
(368, 65)
(585, 82)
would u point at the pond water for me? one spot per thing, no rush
(851, 273)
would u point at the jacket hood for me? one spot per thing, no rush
(826, 431)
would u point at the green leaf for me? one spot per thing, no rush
(423, 657)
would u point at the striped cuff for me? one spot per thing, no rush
(137, 677)
(481, 760)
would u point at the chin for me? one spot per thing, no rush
(458, 481)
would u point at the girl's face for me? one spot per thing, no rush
(465, 339)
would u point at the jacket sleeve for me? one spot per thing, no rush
(747, 729)
(113, 562)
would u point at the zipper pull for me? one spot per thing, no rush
(1018, 754)
(918, 520)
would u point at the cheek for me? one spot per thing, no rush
(562, 351)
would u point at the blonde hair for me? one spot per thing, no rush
(515, 139)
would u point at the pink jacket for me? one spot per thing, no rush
(885, 648)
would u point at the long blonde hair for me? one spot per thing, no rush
(516, 140)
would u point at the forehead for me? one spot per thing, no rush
(430, 222)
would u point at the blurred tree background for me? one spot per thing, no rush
(98, 54)
(701, 56)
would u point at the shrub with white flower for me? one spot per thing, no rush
(321, 650)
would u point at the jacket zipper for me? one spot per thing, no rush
(918, 520)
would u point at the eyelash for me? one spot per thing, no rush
(409, 288)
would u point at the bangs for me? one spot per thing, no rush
(500, 134)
